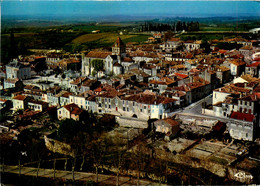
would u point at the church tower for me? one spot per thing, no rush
(118, 48)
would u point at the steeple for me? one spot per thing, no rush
(118, 48)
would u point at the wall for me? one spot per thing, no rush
(131, 122)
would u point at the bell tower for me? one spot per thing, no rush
(118, 48)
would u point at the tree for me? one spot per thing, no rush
(168, 35)
(206, 46)
(97, 64)
(68, 129)
(40, 66)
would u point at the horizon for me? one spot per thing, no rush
(73, 9)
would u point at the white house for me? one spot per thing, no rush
(20, 102)
(79, 100)
(70, 111)
(17, 70)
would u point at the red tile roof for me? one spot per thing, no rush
(171, 121)
(98, 54)
(255, 64)
(242, 116)
(20, 97)
(148, 99)
(73, 108)
(181, 75)
(3, 100)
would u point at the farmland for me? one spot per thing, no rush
(109, 37)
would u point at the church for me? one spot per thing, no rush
(112, 60)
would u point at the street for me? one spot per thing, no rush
(81, 176)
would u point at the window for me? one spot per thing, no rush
(123, 108)
(99, 104)
(127, 109)
(109, 106)
(144, 107)
(133, 103)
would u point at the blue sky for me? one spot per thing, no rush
(105, 8)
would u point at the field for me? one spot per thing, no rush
(108, 38)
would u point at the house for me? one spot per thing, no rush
(157, 35)
(180, 96)
(242, 126)
(167, 126)
(220, 94)
(17, 70)
(91, 105)
(54, 57)
(70, 111)
(171, 44)
(75, 85)
(37, 105)
(145, 106)
(13, 83)
(71, 63)
(127, 62)
(195, 90)
(20, 102)
(51, 96)
(79, 100)
(107, 102)
(192, 45)
(246, 79)
(253, 69)
(64, 97)
(223, 74)
(237, 67)
(161, 85)
(89, 84)
(151, 40)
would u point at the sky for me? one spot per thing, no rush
(152, 8)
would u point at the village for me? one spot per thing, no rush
(186, 102)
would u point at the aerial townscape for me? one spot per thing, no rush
(130, 101)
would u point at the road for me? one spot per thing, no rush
(81, 176)
(194, 108)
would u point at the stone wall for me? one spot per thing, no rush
(131, 122)
(59, 147)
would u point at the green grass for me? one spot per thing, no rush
(217, 29)
(137, 38)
